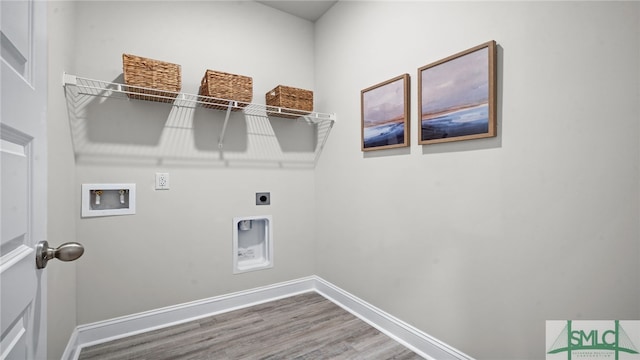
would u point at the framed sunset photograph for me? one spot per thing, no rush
(385, 114)
(457, 96)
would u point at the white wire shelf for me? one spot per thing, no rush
(108, 89)
(79, 91)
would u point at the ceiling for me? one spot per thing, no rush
(310, 10)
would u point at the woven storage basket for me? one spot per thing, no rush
(225, 86)
(151, 74)
(287, 97)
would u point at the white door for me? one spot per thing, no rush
(23, 166)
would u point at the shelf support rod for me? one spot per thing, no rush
(224, 126)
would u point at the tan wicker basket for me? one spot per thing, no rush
(225, 86)
(151, 74)
(287, 97)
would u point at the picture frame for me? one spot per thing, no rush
(457, 96)
(385, 114)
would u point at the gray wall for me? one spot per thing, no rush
(62, 214)
(177, 247)
(479, 242)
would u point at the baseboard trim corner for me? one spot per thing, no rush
(411, 337)
(414, 339)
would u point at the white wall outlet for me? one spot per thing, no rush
(162, 181)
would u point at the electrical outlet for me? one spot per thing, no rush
(162, 181)
(263, 198)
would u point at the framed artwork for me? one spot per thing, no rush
(457, 96)
(385, 114)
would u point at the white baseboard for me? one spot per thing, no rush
(103, 331)
(414, 339)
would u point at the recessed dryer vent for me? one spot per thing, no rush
(252, 243)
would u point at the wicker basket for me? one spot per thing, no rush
(296, 102)
(151, 74)
(224, 86)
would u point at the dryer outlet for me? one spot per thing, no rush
(263, 198)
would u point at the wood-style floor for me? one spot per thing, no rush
(306, 326)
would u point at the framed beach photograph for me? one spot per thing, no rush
(385, 114)
(457, 96)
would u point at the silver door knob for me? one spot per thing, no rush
(65, 252)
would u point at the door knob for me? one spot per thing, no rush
(65, 252)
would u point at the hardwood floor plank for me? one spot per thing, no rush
(305, 326)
